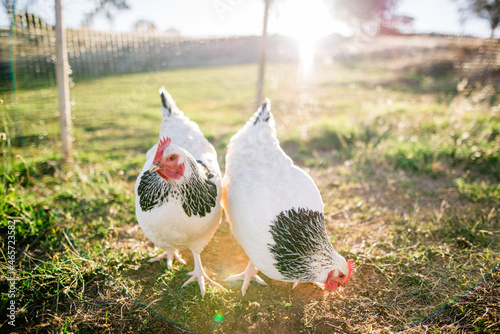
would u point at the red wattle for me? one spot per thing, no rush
(172, 173)
(331, 285)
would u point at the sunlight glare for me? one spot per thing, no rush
(307, 22)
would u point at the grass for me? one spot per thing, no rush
(409, 176)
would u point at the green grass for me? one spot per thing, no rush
(409, 181)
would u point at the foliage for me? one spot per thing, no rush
(489, 10)
(363, 14)
(106, 7)
(9, 6)
(485, 9)
(144, 26)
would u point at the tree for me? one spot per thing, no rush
(367, 16)
(11, 7)
(485, 9)
(262, 56)
(107, 8)
(144, 26)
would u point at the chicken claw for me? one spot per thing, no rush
(198, 274)
(247, 276)
(170, 257)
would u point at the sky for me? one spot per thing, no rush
(298, 18)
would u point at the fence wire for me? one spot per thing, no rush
(27, 61)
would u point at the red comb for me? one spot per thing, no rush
(350, 265)
(164, 142)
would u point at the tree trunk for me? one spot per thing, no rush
(262, 59)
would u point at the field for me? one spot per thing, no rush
(405, 152)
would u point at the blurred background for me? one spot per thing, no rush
(117, 37)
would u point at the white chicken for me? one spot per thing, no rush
(177, 193)
(276, 212)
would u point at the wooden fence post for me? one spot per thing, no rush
(262, 58)
(62, 68)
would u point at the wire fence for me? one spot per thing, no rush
(29, 51)
(27, 61)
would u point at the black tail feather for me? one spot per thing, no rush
(264, 115)
(164, 101)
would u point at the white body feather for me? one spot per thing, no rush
(260, 182)
(168, 226)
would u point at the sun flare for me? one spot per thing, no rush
(306, 21)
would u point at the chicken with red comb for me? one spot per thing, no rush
(178, 191)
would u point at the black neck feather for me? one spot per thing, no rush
(198, 193)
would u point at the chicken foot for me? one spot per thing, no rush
(170, 257)
(247, 276)
(198, 274)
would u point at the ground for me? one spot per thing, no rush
(400, 135)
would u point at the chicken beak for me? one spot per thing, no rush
(154, 167)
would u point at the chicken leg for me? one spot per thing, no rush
(170, 257)
(198, 274)
(247, 276)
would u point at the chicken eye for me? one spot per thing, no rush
(341, 275)
(171, 158)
